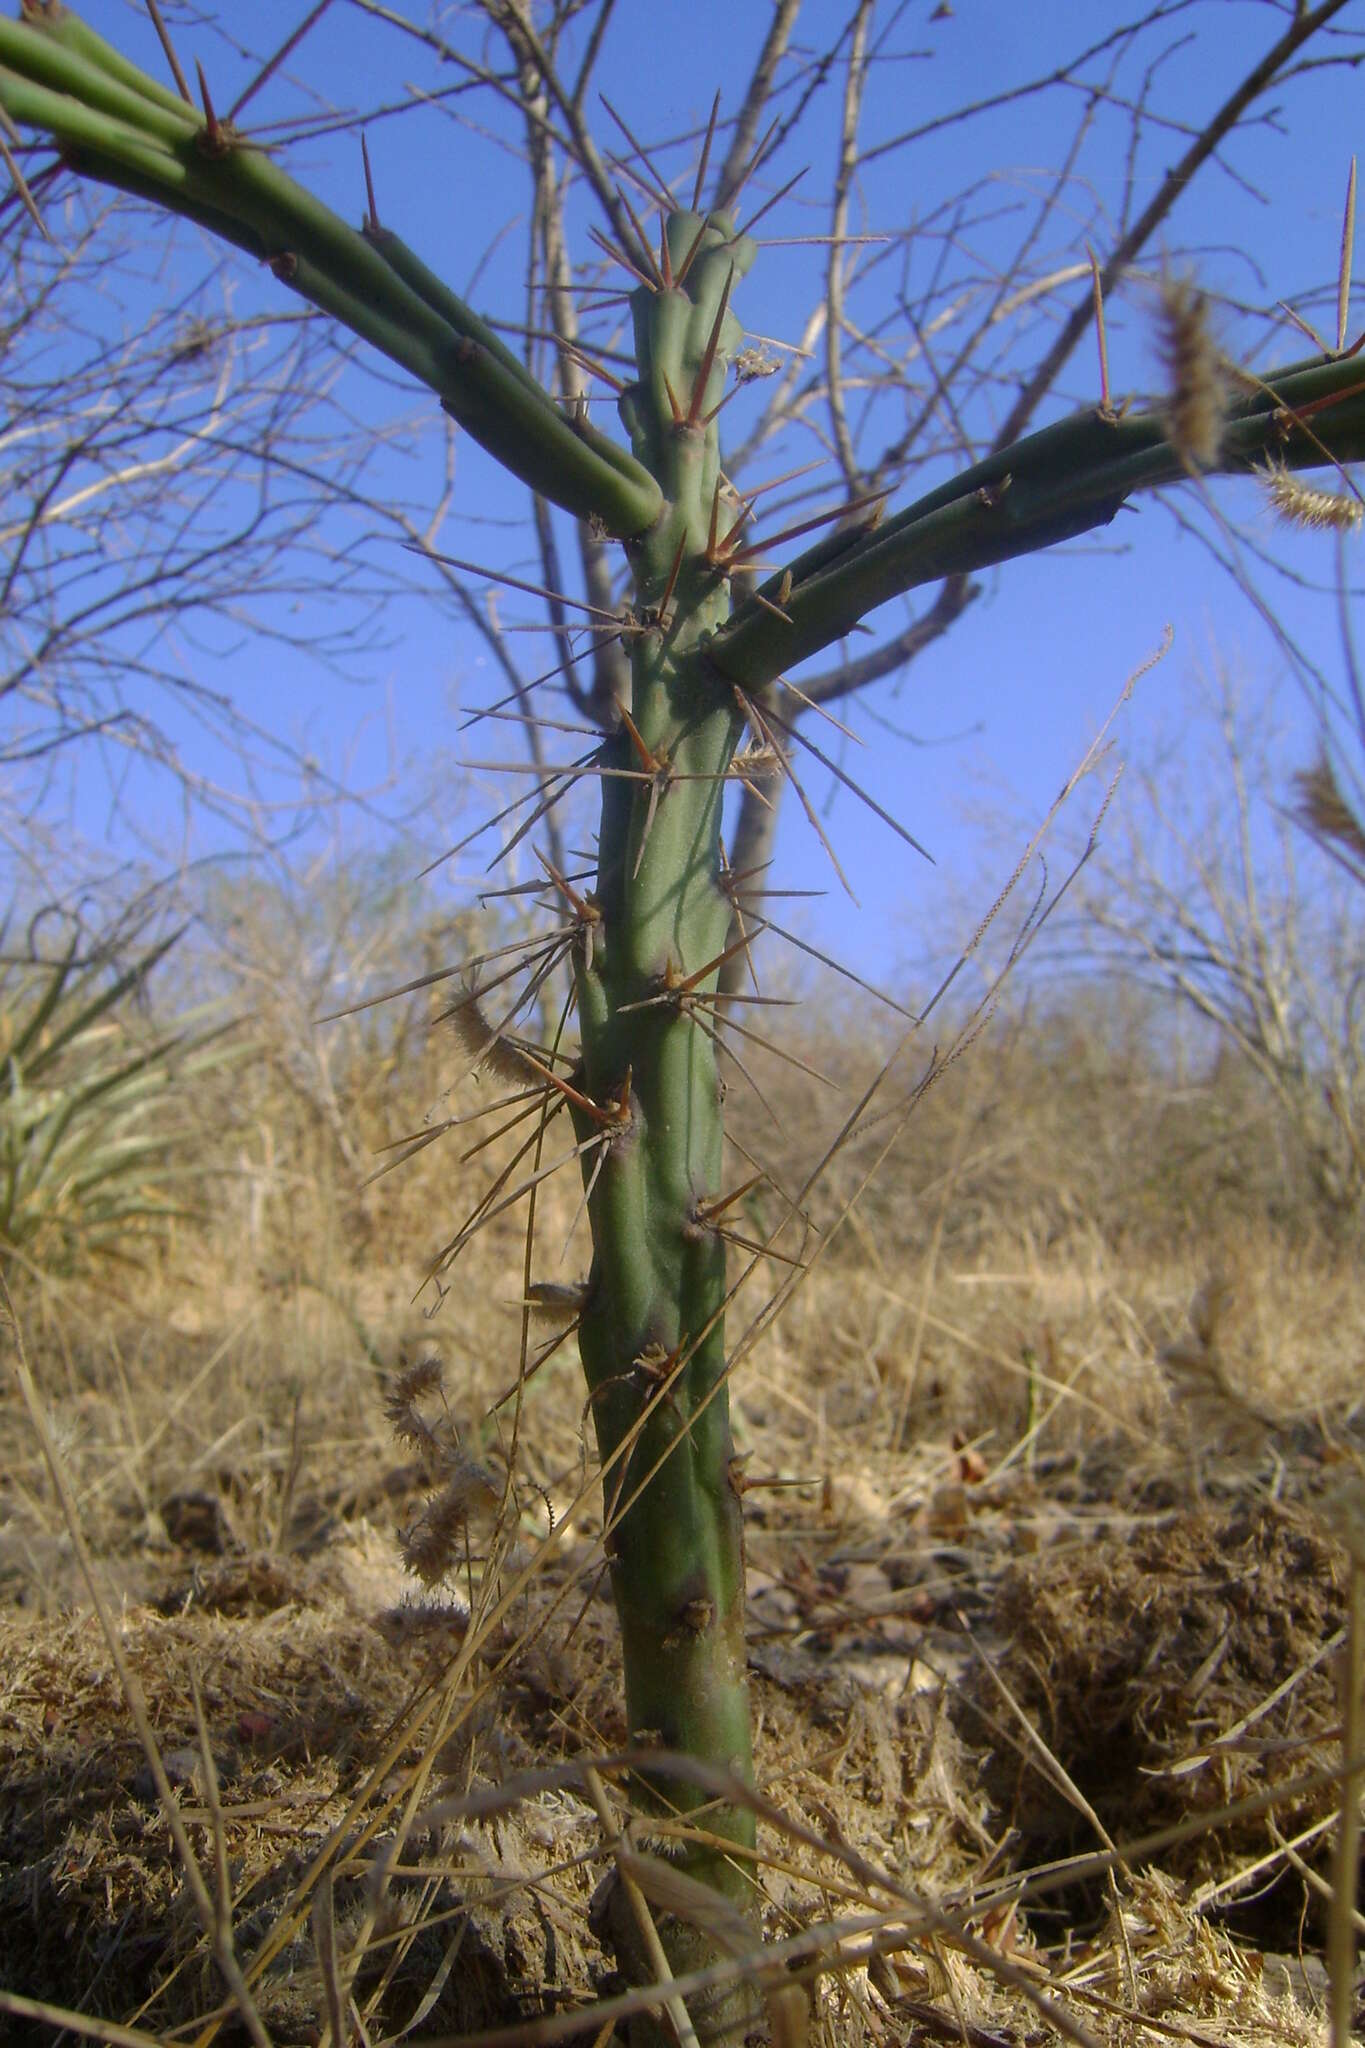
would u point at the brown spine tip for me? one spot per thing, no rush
(372, 214)
(212, 138)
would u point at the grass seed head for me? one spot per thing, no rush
(431, 1546)
(1308, 505)
(1197, 404)
(1321, 806)
(485, 1050)
(410, 1385)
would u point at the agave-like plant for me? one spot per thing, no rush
(649, 937)
(90, 1164)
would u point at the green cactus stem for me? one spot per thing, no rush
(652, 1336)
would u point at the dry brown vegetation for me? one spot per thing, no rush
(1046, 1590)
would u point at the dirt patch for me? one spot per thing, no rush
(305, 1699)
(329, 1712)
(1173, 1669)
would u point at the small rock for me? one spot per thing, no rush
(185, 1770)
(184, 1767)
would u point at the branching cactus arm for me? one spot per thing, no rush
(1062, 481)
(116, 125)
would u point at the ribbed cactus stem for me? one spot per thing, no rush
(652, 1336)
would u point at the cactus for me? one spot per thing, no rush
(651, 939)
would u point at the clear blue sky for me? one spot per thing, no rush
(1009, 699)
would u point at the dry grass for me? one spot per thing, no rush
(1036, 1570)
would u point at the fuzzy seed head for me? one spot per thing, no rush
(1309, 506)
(753, 363)
(1322, 807)
(431, 1546)
(410, 1385)
(457, 1485)
(485, 1050)
(1197, 405)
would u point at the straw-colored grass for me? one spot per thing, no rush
(1038, 1568)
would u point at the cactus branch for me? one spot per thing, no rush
(1063, 481)
(115, 124)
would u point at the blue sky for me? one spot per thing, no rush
(1003, 708)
